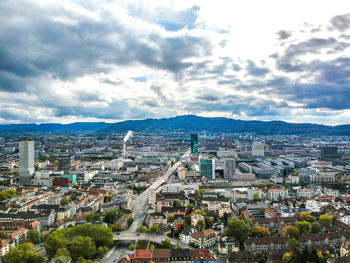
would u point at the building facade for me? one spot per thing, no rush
(26, 161)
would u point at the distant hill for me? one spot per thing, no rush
(187, 123)
(192, 123)
(55, 127)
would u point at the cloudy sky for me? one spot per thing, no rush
(89, 60)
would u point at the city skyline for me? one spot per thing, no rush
(110, 61)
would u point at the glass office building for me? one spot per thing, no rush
(194, 143)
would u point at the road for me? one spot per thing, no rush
(158, 239)
(140, 207)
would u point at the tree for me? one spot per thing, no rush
(189, 209)
(239, 229)
(166, 244)
(111, 216)
(208, 222)
(23, 253)
(92, 218)
(262, 257)
(8, 194)
(259, 231)
(313, 256)
(83, 260)
(291, 232)
(200, 225)
(100, 251)
(155, 230)
(34, 236)
(325, 219)
(142, 244)
(82, 247)
(170, 219)
(107, 198)
(187, 220)
(304, 255)
(62, 252)
(262, 210)
(120, 228)
(54, 241)
(100, 235)
(294, 247)
(3, 235)
(287, 258)
(198, 194)
(305, 216)
(132, 247)
(142, 229)
(256, 197)
(177, 203)
(316, 228)
(304, 227)
(130, 221)
(66, 201)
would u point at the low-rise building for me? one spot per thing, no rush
(305, 192)
(203, 239)
(275, 194)
(155, 219)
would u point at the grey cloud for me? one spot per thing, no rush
(290, 60)
(122, 109)
(33, 44)
(111, 82)
(158, 90)
(283, 34)
(255, 71)
(341, 22)
(151, 103)
(208, 96)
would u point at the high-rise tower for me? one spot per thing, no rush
(26, 161)
(194, 143)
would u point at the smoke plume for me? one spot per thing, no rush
(127, 136)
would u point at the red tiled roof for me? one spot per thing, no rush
(143, 253)
(341, 225)
(161, 253)
(4, 242)
(274, 220)
(323, 236)
(205, 254)
(18, 232)
(203, 234)
(266, 240)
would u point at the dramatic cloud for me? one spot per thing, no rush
(72, 60)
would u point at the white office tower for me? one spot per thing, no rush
(258, 149)
(229, 169)
(26, 161)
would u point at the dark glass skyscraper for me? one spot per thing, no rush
(194, 143)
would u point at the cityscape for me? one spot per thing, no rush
(174, 131)
(174, 196)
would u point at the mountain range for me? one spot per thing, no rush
(186, 123)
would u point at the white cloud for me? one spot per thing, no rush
(112, 60)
